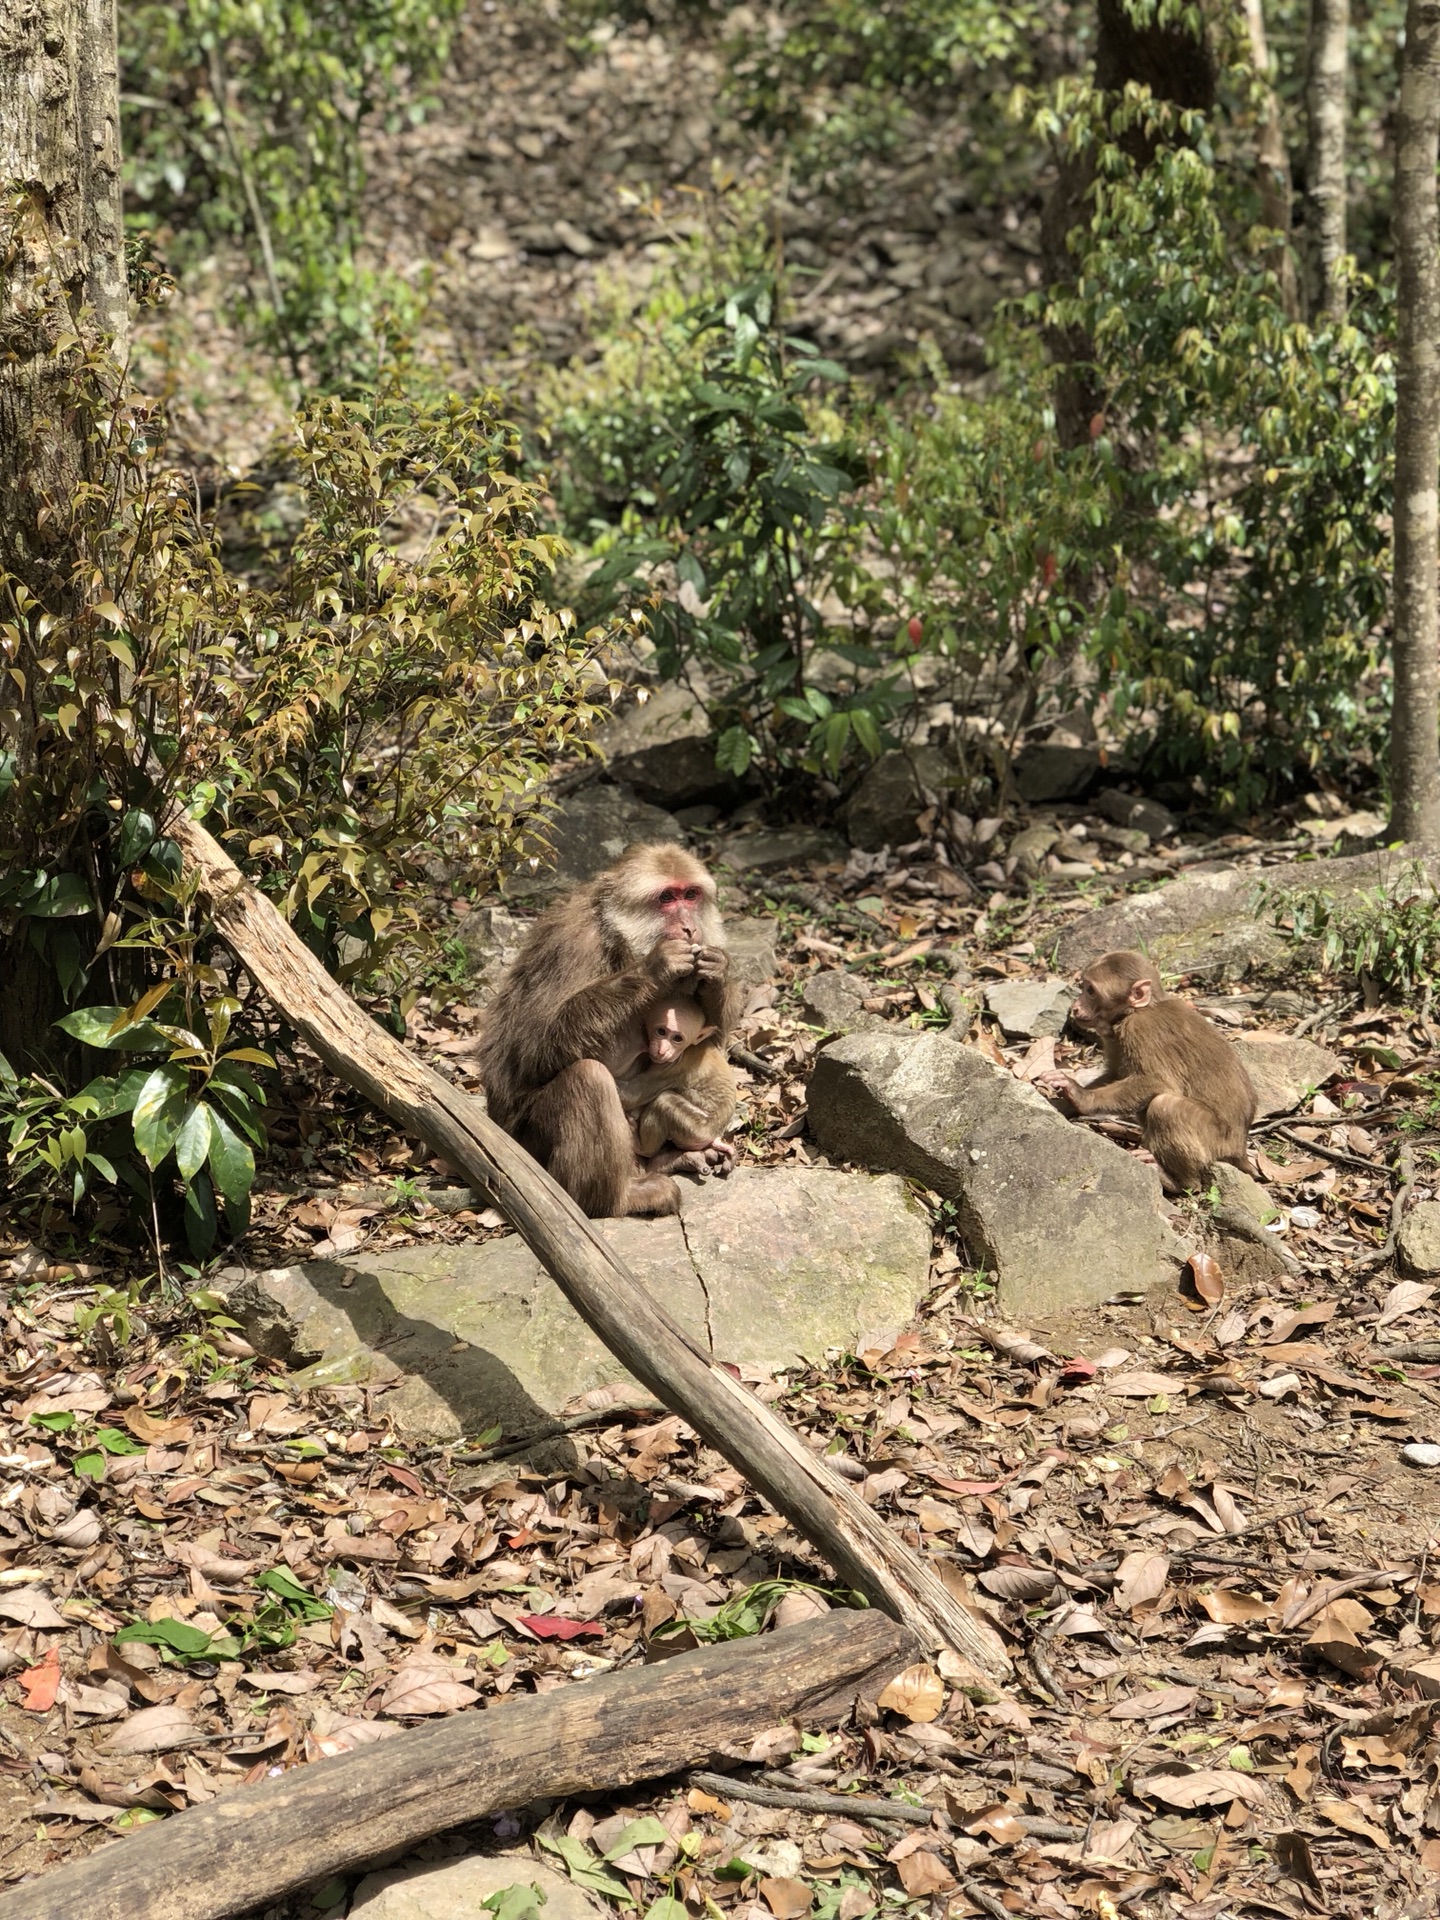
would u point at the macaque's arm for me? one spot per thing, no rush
(1129, 1097)
(585, 1026)
(681, 1120)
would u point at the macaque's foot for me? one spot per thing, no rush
(1144, 1156)
(718, 1158)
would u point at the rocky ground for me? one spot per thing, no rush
(1200, 1509)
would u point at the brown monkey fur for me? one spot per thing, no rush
(681, 1090)
(1165, 1066)
(589, 967)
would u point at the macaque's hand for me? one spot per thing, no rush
(669, 960)
(1060, 1086)
(711, 963)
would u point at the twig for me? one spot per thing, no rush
(752, 1063)
(813, 1800)
(220, 88)
(569, 1423)
(986, 1902)
(1325, 1153)
(1421, 1352)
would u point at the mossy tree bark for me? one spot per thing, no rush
(1327, 63)
(1415, 742)
(64, 274)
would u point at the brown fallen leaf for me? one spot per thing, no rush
(795, 1606)
(1347, 1816)
(923, 1872)
(30, 1607)
(152, 1429)
(218, 1568)
(1333, 1638)
(301, 1681)
(999, 1822)
(422, 1687)
(701, 1802)
(1404, 1297)
(1296, 1862)
(1289, 1323)
(1140, 1580)
(1017, 1583)
(159, 1729)
(786, 1899)
(1206, 1787)
(1154, 1706)
(1234, 1609)
(1140, 1386)
(346, 1735)
(915, 1694)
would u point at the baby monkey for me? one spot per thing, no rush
(677, 1087)
(1165, 1066)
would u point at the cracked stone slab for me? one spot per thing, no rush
(764, 1268)
(1063, 1217)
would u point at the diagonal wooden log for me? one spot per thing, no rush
(237, 1854)
(849, 1535)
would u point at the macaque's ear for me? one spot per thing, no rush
(705, 1033)
(1141, 994)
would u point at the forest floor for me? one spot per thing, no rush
(1190, 1517)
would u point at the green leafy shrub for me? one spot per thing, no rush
(382, 707)
(1388, 935)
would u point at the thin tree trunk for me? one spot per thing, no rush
(1415, 742)
(64, 272)
(1272, 161)
(1327, 64)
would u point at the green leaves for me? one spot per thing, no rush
(159, 1111)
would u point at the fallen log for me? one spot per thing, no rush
(832, 1517)
(234, 1855)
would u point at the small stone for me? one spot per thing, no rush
(1030, 846)
(1283, 1070)
(761, 852)
(459, 1889)
(665, 749)
(1129, 810)
(834, 1001)
(1421, 1453)
(491, 243)
(573, 240)
(1236, 1189)
(1282, 1004)
(1030, 1009)
(1418, 1244)
(1128, 839)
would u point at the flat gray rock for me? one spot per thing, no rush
(1030, 1009)
(1061, 1215)
(771, 1265)
(768, 849)
(1215, 925)
(458, 1889)
(750, 941)
(1283, 1070)
(590, 831)
(1419, 1240)
(1130, 810)
(1045, 771)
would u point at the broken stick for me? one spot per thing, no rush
(237, 1854)
(636, 1328)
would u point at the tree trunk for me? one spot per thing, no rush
(1178, 66)
(60, 229)
(1272, 161)
(1415, 743)
(1327, 61)
(239, 1853)
(865, 1553)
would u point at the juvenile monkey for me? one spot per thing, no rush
(679, 1089)
(588, 968)
(1165, 1066)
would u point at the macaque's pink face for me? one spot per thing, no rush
(678, 903)
(671, 1030)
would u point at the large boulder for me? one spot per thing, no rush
(761, 1269)
(1283, 1070)
(834, 1001)
(589, 832)
(895, 788)
(1216, 924)
(767, 848)
(1047, 770)
(1057, 1212)
(665, 749)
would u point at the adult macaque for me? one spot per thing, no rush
(1165, 1066)
(591, 965)
(679, 1091)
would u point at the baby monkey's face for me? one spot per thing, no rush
(671, 1030)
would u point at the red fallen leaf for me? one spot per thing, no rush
(520, 1539)
(41, 1683)
(985, 1486)
(1078, 1369)
(404, 1478)
(545, 1626)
